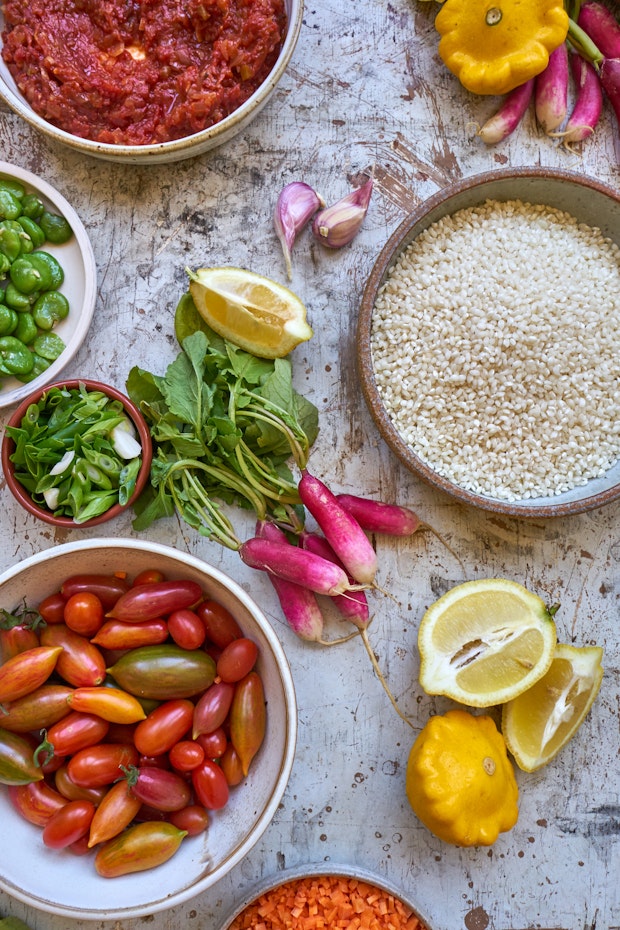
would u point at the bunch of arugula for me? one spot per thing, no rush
(224, 425)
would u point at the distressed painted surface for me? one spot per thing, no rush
(365, 92)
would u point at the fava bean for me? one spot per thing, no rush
(33, 230)
(32, 206)
(10, 207)
(40, 365)
(15, 357)
(49, 309)
(20, 302)
(10, 243)
(55, 227)
(16, 188)
(27, 277)
(26, 328)
(8, 321)
(48, 265)
(48, 346)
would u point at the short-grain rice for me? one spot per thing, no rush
(496, 349)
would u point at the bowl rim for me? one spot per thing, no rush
(386, 258)
(315, 870)
(8, 447)
(290, 702)
(184, 147)
(89, 296)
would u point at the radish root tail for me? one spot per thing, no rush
(336, 642)
(380, 676)
(427, 528)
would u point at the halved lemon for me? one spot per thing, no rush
(539, 722)
(253, 312)
(484, 642)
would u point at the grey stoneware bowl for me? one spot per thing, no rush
(590, 202)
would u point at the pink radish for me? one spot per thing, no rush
(601, 26)
(588, 105)
(342, 531)
(610, 79)
(507, 118)
(352, 606)
(293, 564)
(379, 517)
(551, 91)
(299, 605)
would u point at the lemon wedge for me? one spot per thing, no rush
(253, 312)
(484, 642)
(539, 722)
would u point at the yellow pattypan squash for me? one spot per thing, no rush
(493, 46)
(460, 781)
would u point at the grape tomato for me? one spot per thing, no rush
(68, 824)
(220, 625)
(237, 660)
(186, 755)
(84, 613)
(186, 629)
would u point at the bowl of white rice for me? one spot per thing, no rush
(489, 342)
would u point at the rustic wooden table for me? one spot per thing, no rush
(365, 92)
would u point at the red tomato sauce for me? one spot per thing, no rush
(138, 72)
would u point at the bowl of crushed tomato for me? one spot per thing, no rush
(144, 83)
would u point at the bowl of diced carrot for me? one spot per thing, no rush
(340, 897)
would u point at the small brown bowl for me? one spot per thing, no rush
(591, 203)
(22, 495)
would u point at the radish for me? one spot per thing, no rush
(588, 105)
(299, 605)
(551, 90)
(509, 115)
(379, 517)
(352, 606)
(342, 531)
(610, 79)
(293, 564)
(601, 26)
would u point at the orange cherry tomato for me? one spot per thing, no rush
(114, 634)
(248, 718)
(72, 792)
(164, 727)
(84, 613)
(112, 704)
(26, 671)
(194, 819)
(117, 809)
(230, 764)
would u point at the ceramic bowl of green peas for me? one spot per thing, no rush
(76, 453)
(48, 281)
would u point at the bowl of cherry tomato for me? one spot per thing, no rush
(148, 732)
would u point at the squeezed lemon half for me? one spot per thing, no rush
(253, 312)
(541, 721)
(485, 642)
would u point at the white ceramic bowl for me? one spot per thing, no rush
(592, 203)
(79, 287)
(322, 869)
(65, 884)
(176, 150)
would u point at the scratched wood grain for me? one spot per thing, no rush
(365, 92)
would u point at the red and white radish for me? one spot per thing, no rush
(299, 605)
(352, 606)
(291, 563)
(380, 517)
(551, 91)
(342, 531)
(600, 24)
(588, 104)
(512, 110)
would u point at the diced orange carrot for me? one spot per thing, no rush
(326, 902)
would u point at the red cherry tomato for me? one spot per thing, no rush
(101, 764)
(108, 588)
(149, 576)
(52, 608)
(210, 785)
(162, 789)
(84, 613)
(186, 755)
(148, 601)
(76, 731)
(219, 623)
(164, 727)
(213, 744)
(237, 660)
(114, 634)
(194, 819)
(212, 707)
(186, 629)
(69, 824)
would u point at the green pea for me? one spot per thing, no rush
(55, 227)
(8, 320)
(48, 265)
(49, 309)
(28, 276)
(10, 207)
(16, 358)
(26, 329)
(10, 243)
(39, 366)
(33, 230)
(14, 298)
(16, 188)
(48, 345)
(32, 206)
